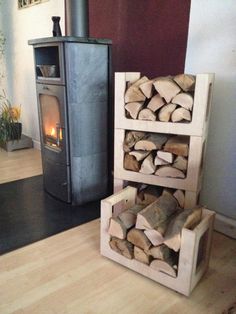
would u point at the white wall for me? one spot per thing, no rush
(19, 26)
(212, 48)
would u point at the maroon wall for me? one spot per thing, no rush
(149, 36)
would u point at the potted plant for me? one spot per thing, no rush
(10, 127)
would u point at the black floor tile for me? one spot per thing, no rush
(29, 214)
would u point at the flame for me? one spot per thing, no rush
(53, 132)
(60, 134)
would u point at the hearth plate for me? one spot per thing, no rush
(29, 214)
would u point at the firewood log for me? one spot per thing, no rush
(133, 93)
(147, 88)
(151, 194)
(169, 172)
(165, 112)
(140, 81)
(166, 156)
(141, 256)
(184, 100)
(160, 252)
(122, 247)
(164, 267)
(147, 114)
(181, 163)
(156, 235)
(139, 154)
(179, 195)
(133, 108)
(131, 138)
(180, 114)
(138, 238)
(159, 162)
(185, 81)
(188, 218)
(128, 217)
(131, 163)
(148, 166)
(155, 103)
(167, 191)
(117, 228)
(151, 142)
(156, 213)
(178, 145)
(167, 88)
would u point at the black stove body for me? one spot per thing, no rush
(72, 79)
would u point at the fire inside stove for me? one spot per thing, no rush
(52, 130)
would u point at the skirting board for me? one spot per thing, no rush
(225, 225)
(36, 144)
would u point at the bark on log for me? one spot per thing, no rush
(151, 194)
(185, 81)
(184, 100)
(128, 217)
(165, 112)
(139, 154)
(181, 163)
(133, 108)
(156, 235)
(181, 114)
(122, 247)
(131, 138)
(151, 142)
(131, 163)
(138, 238)
(141, 256)
(167, 88)
(179, 195)
(160, 252)
(166, 156)
(147, 114)
(147, 88)
(169, 172)
(156, 213)
(164, 267)
(178, 145)
(148, 166)
(155, 103)
(117, 228)
(189, 218)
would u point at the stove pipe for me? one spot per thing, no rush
(77, 18)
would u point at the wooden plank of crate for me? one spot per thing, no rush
(121, 78)
(200, 114)
(190, 183)
(186, 279)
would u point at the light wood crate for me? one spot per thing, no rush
(200, 114)
(192, 181)
(190, 201)
(193, 242)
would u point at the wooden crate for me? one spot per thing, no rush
(194, 253)
(192, 182)
(200, 114)
(191, 197)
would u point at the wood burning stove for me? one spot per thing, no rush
(72, 79)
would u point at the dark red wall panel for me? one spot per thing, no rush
(149, 36)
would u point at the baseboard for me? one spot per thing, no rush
(225, 225)
(36, 144)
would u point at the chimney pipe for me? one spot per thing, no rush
(77, 18)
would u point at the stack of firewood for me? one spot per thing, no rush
(153, 153)
(163, 99)
(152, 234)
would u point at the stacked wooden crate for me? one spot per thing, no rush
(129, 233)
(196, 130)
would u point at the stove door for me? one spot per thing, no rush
(54, 140)
(53, 122)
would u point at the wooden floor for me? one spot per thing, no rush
(19, 164)
(66, 274)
